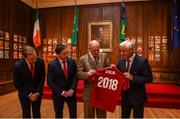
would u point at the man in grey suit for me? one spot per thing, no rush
(87, 65)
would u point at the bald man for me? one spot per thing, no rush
(87, 65)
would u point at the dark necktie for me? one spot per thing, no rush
(127, 82)
(65, 70)
(96, 60)
(32, 69)
(128, 65)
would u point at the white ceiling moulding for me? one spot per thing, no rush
(29, 3)
(61, 3)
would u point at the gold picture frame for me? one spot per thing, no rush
(102, 32)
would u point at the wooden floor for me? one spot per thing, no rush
(10, 107)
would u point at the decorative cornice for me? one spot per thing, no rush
(61, 3)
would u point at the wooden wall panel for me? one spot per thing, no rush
(67, 23)
(15, 18)
(83, 33)
(114, 56)
(135, 22)
(50, 20)
(143, 19)
(134, 19)
(156, 24)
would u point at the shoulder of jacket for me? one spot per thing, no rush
(40, 59)
(53, 62)
(103, 54)
(84, 56)
(19, 62)
(71, 60)
(140, 58)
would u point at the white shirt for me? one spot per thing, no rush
(29, 65)
(62, 63)
(92, 57)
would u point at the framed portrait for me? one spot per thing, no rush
(20, 39)
(15, 55)
(6, 54)
(1, 54)
(6, 35)
(6, 45)
(1, 44)
(102, 32)
(24, 39)
(15, 37)
(151, 57)
(1, 35)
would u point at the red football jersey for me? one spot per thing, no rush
(107, 87)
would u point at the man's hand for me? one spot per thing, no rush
(91, 72)
(34, 96)
(70, 92)
(128, 75)
(65, 94)
(113, 65)
(30, 95)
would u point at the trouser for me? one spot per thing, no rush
(89, 112)
(58, 103)
(26, 105)
(138, 110)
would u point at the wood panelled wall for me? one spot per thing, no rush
(143, 19)
(15, 18)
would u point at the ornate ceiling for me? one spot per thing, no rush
(59, 3)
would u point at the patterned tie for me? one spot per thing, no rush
(65, 70)
(32, 69)
(96, 59)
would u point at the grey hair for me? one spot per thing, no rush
(28, 50)
(127, 44)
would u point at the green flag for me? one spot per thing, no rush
(122, 34)
(75, 26)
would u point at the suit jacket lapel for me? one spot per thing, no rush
(99, 60)
(90, 60)
(26, 68)
(123, 64)
(69, 66)
(59, 67)
(134, 64)
(36, 67)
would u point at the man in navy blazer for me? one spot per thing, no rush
(63, 81)
(137, 70)
(29, 77)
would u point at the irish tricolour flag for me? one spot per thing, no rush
(36, 33)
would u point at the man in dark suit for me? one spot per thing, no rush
(63, 81)
(136, 69)
(29, 77)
